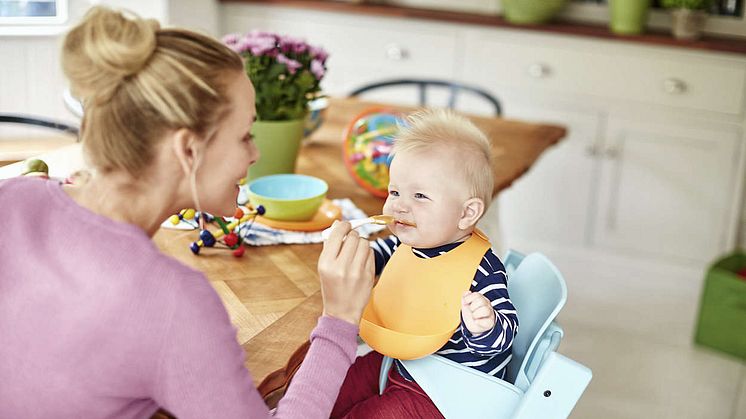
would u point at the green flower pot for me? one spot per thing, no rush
(278, 143)
(531, 12)
(628, 17)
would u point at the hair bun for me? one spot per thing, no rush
(105, 48)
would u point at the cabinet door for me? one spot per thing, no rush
(551, 203)
(669, 189)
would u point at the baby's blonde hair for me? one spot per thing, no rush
(444, 130)
(137, 82)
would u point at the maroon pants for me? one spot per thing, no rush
(359, 396)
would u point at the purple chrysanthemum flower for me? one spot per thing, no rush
(242, 45)
(289, 44)
(319, 54)
(262, 52)
(262, 46)
(231, 39)
(291, 64)
(300, 47)
(262, 34)
(317, 69)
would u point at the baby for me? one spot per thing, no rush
(440, 186)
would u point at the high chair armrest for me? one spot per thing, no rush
(549, 343)
(555, 390)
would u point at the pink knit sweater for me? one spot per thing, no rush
(96, 322)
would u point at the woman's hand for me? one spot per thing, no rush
(477, 312)
(346, 271)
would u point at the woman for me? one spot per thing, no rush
(95, 321)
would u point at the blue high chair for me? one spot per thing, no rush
(539, 384)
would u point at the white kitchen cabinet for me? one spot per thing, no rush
(667, 189)
(646, 188)
(653, 163)
(554, 201)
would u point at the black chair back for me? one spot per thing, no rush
(423, 84)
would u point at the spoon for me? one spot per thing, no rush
(375, 219)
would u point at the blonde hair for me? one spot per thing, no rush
(444, 130)
(137, 81)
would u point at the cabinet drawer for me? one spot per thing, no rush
(611, 72)
(361, 56)
(361, 49)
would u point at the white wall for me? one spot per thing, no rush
(199, 15)
(31, 80)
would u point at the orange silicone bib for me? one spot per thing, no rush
(415, 306)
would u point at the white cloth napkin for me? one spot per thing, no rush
(261, 235)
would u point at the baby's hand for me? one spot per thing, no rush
(477, 313)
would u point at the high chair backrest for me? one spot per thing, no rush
(538, 292)
(511, 260)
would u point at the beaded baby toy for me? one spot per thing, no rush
(229, 232)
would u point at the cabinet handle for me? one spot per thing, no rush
(612, 152)
(592, 151)
(539, 70)
(674, 86)
(394, 52)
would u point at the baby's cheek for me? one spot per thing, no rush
(387, 208)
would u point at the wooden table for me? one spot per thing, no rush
(272, 293)
(17, 148)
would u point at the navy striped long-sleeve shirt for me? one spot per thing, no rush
(489, 352)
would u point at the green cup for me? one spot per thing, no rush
(628, 17)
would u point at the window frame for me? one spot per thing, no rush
(60, 18)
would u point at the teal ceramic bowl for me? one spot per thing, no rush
(531, 12)
(288, 197)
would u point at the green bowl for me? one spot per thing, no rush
(288, 197)
(531, 12)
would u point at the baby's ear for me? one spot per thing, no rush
(472, 212)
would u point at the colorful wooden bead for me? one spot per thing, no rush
(207, 238)
(231, 239)
(239, 251)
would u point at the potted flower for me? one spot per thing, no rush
(286, 73)
(688, 17)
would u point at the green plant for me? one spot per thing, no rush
(285, 72)
(687, 4)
